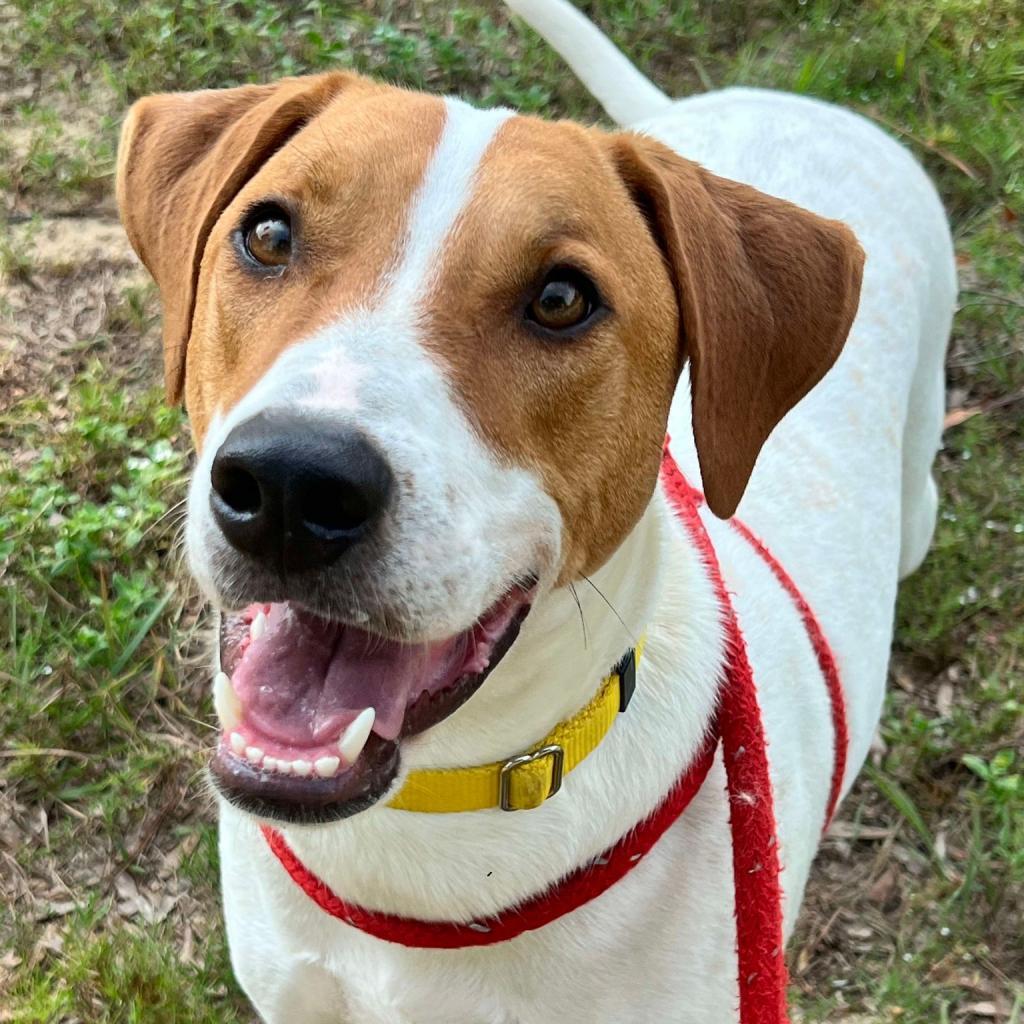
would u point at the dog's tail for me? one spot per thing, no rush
(605, 71)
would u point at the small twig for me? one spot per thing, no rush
(56, 595)
(995, 297)
(97, 212)
(964, 364)
(951, 158)
(46, 752)
(957, 416)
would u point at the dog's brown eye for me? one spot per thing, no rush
(566, 299)
(268, 238)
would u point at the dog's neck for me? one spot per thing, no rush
(571, 640)
(656, 584)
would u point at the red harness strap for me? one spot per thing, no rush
(583, 885)
(758, 907)
(826, 662)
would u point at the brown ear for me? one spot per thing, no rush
(183, 157)
(767, 292)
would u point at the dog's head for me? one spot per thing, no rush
(428, 354)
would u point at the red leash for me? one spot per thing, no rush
(755, 857)
(826, 662)
(761, 964)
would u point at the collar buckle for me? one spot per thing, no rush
(508, 801)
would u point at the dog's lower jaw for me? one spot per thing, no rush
(546, 677)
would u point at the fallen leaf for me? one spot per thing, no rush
(51, 941)
(884, 888)
(851, 830)
(957, 416)
(185, 954)
(56, 909)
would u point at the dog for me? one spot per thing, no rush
(430, 356)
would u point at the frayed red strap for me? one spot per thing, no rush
(583, 885)
(755, 858)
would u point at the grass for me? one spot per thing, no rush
(109, 882)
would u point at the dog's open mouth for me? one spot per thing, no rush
(312, 710)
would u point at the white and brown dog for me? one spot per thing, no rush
(430, 354)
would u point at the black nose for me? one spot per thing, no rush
(296, 494)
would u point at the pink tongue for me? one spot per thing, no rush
(306, 678)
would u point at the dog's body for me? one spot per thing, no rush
(843, 497)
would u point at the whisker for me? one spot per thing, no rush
(583, 621)
(614, 611)
(175, 512)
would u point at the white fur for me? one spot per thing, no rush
(842, 494)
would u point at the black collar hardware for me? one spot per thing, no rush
(626, 671)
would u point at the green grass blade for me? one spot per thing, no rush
(140, 634)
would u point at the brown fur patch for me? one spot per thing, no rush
(767, 293)
(349, 175)
(182, 159)
(758, 294)
(587, 413)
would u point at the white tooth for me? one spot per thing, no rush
(226, 702)
(300, 767)
(326, 767)
(354, 738)
(270, 764)
(284, 767)
(238, 743)
(254, 754)
(258, 626)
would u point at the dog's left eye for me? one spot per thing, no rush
(268, 237)
(567, 299)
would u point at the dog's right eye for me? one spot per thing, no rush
(565, 301)
(267, 237)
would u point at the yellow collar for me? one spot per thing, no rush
(526, 780)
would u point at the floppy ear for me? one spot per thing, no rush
(766, 290)
(183, 157)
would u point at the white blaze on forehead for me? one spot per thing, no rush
(445, 191)
(338, 368)
(337, 384)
